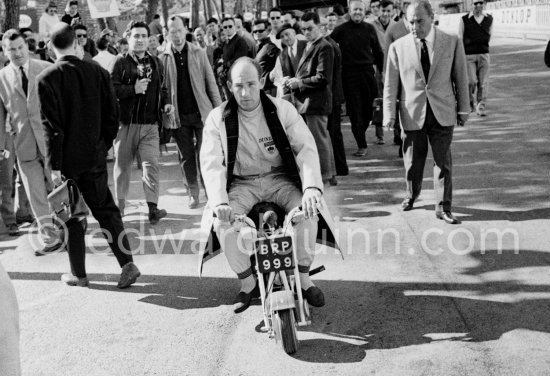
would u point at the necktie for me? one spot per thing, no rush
(425, 59)
(24, 80)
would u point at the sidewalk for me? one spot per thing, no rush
(413, 296)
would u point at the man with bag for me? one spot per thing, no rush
(80, 117)
(193, 91)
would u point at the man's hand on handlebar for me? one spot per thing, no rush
(310, 201)
(224, 212)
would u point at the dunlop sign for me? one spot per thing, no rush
(514, 16)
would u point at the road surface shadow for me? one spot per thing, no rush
(376, 315)
(470, 214)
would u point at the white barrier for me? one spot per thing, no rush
(526, 21)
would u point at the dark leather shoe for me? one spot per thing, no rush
(314, 296)
(72, 280)
(243, 299)
(407, 204)
(448, 217)
(13, 230)
(128, 276)
(27, 219)
(241, 302)
(155, 215)
(48, 249)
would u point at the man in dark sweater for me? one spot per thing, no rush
(475, 29)
(360, 52)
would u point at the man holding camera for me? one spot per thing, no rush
(139, 82)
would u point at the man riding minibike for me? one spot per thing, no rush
(257, 148)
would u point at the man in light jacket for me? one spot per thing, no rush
(426, 70)
(194, 93)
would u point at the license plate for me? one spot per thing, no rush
(274, 254)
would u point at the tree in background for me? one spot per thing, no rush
(11, 20)
(152, 9)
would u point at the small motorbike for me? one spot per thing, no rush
(276, 264)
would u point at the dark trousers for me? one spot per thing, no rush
(415, 151)
(93, 185)
(360, 90)
(335, 132)
(191, 128)
(397, 132)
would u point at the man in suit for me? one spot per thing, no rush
(398, 29)
(335, 118)
(267, 53)
(286, 65)
(193, 91)
(276, 20)
(7, 161)
(19, 103)
(313, 90)
(248, 38)
(395, 31)
(234, 48)
(427, 70)
(80, 116)
(381, 25)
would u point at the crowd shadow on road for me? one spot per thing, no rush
(470, 214)
(362, 316)
(498, 161)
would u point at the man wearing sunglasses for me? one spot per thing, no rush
(277, 21)
(267, 53)
(234, 48)
(87, 44)
(476, 28)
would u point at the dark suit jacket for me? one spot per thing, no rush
(314, 94)
(266, 57)
(337, 88)
(233, 49)
(289, 69)
(79, 113)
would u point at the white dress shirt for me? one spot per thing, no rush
(106, 60)
(18, 71)
(430, 39)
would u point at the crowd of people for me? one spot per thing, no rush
(254, 108)
(161, 82)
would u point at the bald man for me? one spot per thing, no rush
(257, 148)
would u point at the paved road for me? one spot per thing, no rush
(413, 297)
